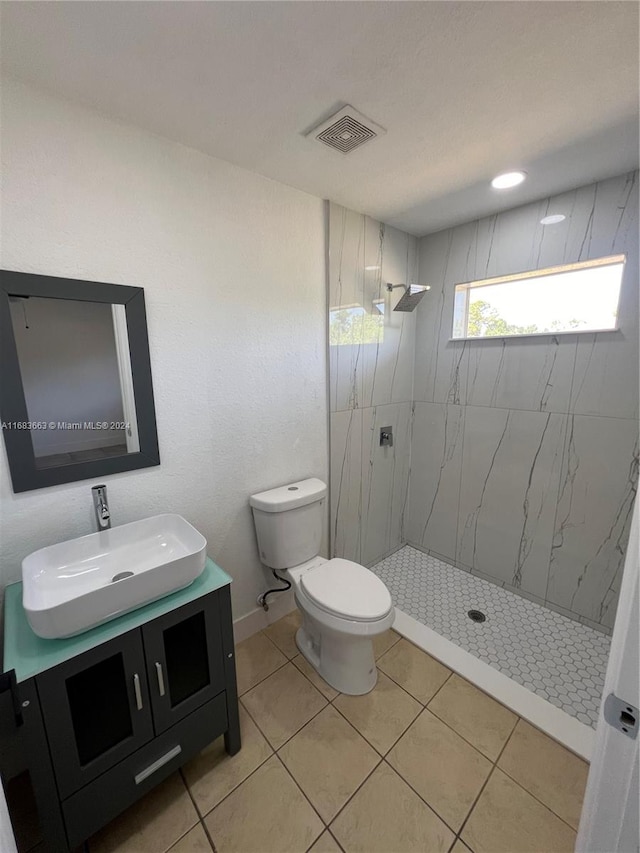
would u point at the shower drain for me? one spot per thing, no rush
(476, 616)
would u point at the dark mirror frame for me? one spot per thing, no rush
(13, 408)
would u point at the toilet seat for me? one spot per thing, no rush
(347, 590)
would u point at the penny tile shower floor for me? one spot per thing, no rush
(561, 660)
(425, 763)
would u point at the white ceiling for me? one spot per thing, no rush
(464, 89)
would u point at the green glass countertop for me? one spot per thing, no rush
(29, 654)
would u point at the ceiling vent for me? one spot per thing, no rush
(347, 129)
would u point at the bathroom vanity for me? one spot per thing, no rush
(99, 719)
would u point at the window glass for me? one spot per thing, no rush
(578, 297)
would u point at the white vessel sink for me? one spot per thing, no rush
(76, 585)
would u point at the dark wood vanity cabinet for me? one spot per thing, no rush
(91, 712)
(124, 715)
(185, 662)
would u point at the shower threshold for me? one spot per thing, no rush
(546, 667)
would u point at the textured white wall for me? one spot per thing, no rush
(233, 269)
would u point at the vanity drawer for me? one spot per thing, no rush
(100, 801)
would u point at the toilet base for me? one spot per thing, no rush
(344, 661)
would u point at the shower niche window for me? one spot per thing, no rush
(355, 324)
(568, 299)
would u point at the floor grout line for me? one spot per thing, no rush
(208, 834)
(486, 782)
(445, 722)
(418, 794)
(200, 817)
(263, 733)
(537, 799)
(346, 803)
(305, 797)
(362, 735)
(249, 689)
(235, 787)
(397, 683)
(383, 756)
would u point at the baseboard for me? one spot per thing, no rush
(559, 725)
(258, 619)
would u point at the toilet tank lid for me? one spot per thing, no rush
(290, 496)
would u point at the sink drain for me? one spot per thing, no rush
(121, 576)
(476, 616)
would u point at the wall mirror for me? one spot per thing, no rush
(76, 396)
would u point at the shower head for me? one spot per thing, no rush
(413, 293)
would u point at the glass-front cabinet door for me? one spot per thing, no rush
(184, 660)
(96, 710)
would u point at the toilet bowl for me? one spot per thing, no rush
(343, 604)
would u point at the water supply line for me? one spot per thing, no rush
(262, 599)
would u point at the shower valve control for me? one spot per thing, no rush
(386, 436)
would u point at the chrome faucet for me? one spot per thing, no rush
(101, 507)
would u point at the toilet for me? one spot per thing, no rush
(343, 605)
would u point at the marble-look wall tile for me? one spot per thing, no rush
(601, 219)
(440, 366)
(589, 374)
(388, 365)
(510, 474)
(346, 290)
(515, 385)
(490, 417)
(533, 374)
(371, 384)
(598, 487)
(606, 363)
(434, 485)
(376, 367)
(346, 484)
(385, 480)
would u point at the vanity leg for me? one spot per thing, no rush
(232, 739)
(232, 742)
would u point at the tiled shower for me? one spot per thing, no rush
(514, 461)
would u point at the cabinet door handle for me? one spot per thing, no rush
(137, 691)
(160, 675)
(151, 769)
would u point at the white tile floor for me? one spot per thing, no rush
(559, 659)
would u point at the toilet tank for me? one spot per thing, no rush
(289, 522)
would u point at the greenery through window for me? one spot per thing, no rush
(579, 297)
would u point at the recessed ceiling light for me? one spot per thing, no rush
(553, 219)
(508, 180)
(374, 267)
